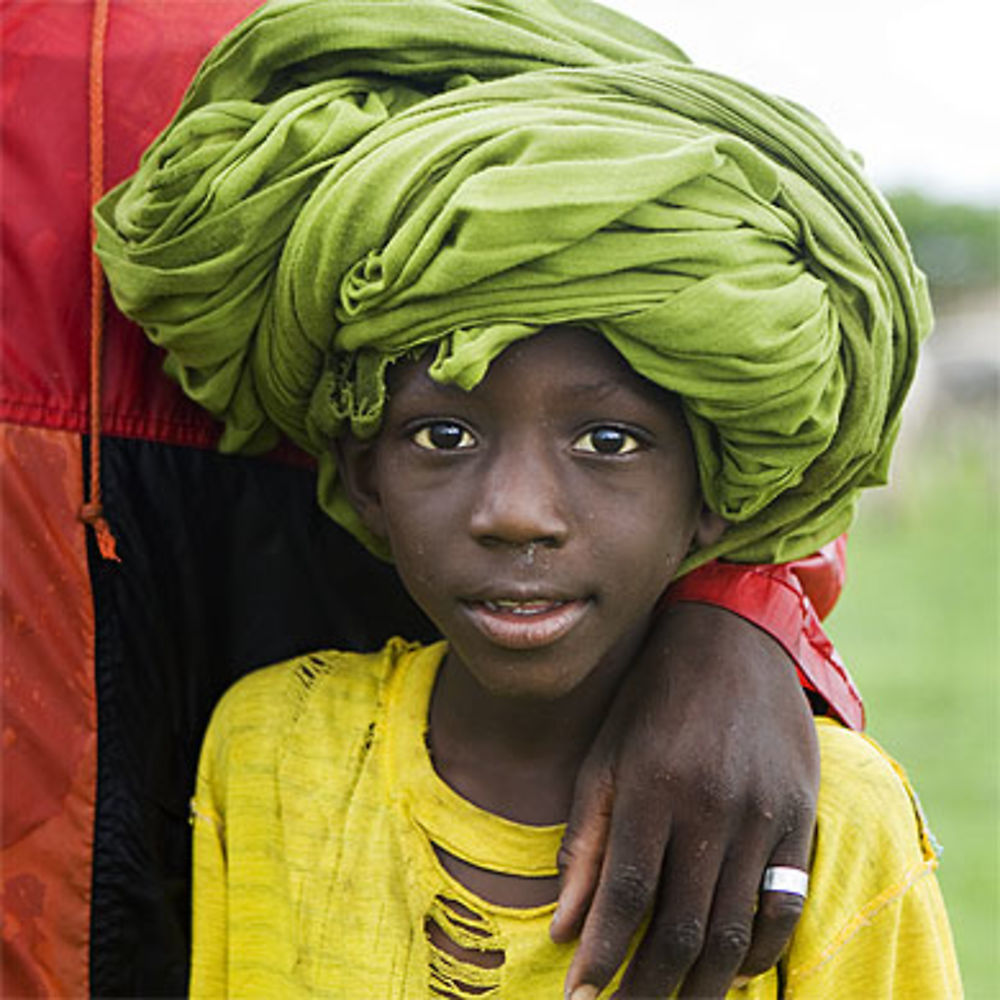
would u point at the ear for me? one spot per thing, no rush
(710, 527)
(358, 471)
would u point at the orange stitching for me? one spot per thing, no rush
(92, 512)
(862, 919)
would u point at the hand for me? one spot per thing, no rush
(705, 772)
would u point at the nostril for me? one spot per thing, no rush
(525, 550)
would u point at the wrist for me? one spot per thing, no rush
(772, 598)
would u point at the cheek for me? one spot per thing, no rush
(653, 531)
(418, 537)
(407, 502)
(408, 540)
(660, 510)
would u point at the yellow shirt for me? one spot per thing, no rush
(314, 873)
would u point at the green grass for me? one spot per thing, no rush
(919, 627)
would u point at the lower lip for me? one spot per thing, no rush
(533, 630)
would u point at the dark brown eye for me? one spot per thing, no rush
(443, 435)
(606, 441)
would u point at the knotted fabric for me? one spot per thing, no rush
(351, 181)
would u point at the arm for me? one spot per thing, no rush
(788, 601)
(658, 803)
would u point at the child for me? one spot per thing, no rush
(393, 830)
(298, 249)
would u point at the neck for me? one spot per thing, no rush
(518, 757)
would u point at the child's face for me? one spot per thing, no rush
(537, 518)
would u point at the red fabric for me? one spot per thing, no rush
(822, 575)
(782, 600)
(153, 48)
(49, 716)
(49, 706)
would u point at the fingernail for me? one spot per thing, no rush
(740, 982)
(584, 992)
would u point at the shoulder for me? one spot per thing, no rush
(328, 695)
(865, 793)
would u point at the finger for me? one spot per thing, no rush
(624, 894)
(676, 932)
(581, 853)
(730, 927)
(778, 912)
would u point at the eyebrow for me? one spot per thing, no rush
(603, 388)
(598, 388)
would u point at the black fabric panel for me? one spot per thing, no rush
(227, 564)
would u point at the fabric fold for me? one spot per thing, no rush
(334, 195)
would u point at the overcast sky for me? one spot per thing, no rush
(912, 85)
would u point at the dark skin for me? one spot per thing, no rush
(563, 506)
(741, 793)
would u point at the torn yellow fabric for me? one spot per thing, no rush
(315, 815)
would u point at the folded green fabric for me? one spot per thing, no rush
(348, 181)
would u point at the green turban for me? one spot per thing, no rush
(351, 181)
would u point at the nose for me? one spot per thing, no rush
(520, 500)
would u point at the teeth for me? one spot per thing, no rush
(520, 607)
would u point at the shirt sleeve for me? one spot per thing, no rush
(787, 600)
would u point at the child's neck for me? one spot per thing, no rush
(518, 757)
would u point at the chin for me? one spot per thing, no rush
(531, 682)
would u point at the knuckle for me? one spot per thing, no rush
(781, 817)
(729, 943)
(656, 777)
(683, 941)
(802, 809)
(782, 909)
(715, 795)
(629, 893)
(761, 810)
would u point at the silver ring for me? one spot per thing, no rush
(781, 879)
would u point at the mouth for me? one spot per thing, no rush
(516, 623)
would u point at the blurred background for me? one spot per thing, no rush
(912, 85)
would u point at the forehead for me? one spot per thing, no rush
(556, 364)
